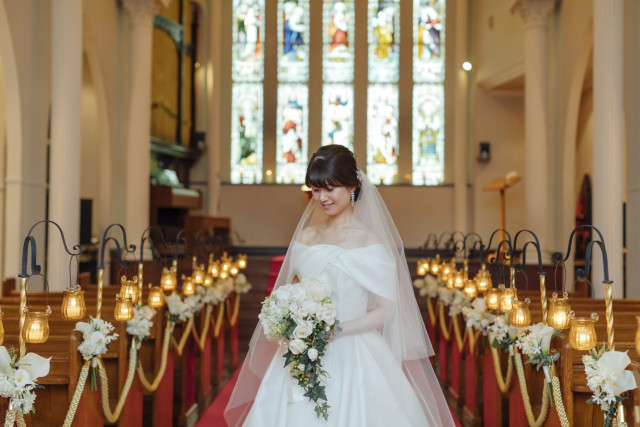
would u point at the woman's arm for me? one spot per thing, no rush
(371, 321)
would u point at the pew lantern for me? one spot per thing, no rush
(492, 299)
(73, 304)
(1, 328)
(242, 262)
(156, 297)
(208, 280)
(435, 265)
(129, 289)
(483, 279)
(470, 290)
(458, 280)
(449, 282)
(168, 280)
(198, 273)
(234, 270)
(520, 316)
(124, 308)
(559, 309)
(506, 299)
(582, 335)
(188, 287)
(36, 326)
(214, 269)
(420, 270)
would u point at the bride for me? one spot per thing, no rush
(378, 366)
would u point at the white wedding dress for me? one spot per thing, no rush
(367, 386)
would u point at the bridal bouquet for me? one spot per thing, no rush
(18, 377)
(96, 336)
(304, 316)
(608, 378)
(141, 324)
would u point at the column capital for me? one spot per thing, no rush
(533, 12)
(143, 11)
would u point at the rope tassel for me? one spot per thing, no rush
(153, 386)
(503, 382)
(544, 409)
(77, 394)
(110, 416)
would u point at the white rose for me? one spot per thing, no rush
(297, 346)
(327, 314)
(312, 353)
(282, 293)
(303, 329)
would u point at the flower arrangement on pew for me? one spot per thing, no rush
(96, 336)
(141, 324)
(179, 311)
(478, 317)
(427, 287)
(459, 301)
(18, 376)
(502, 334)
(241, 285)
(445, 295)
(535, 342)
(608, 378)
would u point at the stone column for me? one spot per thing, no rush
(65, 145)
(460, 193)
(608, 139)
(535, 14)
(141, 14)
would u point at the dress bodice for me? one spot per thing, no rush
(354, 275)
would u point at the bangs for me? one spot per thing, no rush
(321, 175)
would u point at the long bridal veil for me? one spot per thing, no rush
(403, 329)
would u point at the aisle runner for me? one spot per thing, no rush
(214, 415)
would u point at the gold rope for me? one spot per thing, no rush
(431, 311)
(446, 333)
(544, 410)
(460, 340)
(179, 347)
(112, 417)
(217, 324)
(557, 399)
(543, 298)
(151, 387)
(77, 394)
(20, 419)
(503, 383)
(10, 418)
(236, 309)
(608, 290)
(200, 340)
(474, 337)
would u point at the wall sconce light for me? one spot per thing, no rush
(484, 155)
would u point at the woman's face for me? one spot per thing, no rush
(332, 200)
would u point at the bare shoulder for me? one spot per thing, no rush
(362, 235)
(308, 235)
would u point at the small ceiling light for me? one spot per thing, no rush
(466, 65)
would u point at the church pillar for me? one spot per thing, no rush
(632, 106)
(535, 14)
(608, 139)
(141, 14)
(64, 157)
(460, 197)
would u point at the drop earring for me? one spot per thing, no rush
(353, 197)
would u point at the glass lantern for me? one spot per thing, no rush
(458, 280)
(73, 304)
(124, 308)
(242, 262)
(233, 270)
(506, 300)
(470, 290)
(582, 334)
(214, 269)
(198, 275)
(224, 275)
(156, 297)
(168, 280)
(208, 280)
(188, 287)
(520, 316)
(483, 281)
(449, 283)
(129, 288)
(36, 327)
(492, 299)
(559, 309)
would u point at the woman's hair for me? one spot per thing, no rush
(334, 166)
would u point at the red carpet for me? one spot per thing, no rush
(214, 415)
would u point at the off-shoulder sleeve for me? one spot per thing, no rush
(371, 268)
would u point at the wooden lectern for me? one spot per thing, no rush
(501, 184)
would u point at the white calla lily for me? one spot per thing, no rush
(615, 363)
(37, 366)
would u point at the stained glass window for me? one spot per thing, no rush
(428, 134)
(292, 124)
(384, 40)
(248, 39)
(428, 92)
(293, 40)
(338, 41)
(246, 133)
(428, 41)
(382, 133)
(337, 115)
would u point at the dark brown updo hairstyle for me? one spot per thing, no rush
(333, 166)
